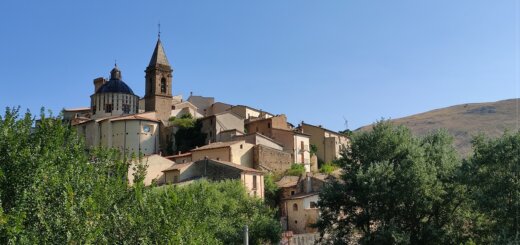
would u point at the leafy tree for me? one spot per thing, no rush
(184, 121)
(54, 192)
(296, 169)
(494, 180)
(271, 191)
(188, 135)
(396, 189)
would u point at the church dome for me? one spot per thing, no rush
(115, 84)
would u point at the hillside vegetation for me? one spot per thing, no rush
(464, 121)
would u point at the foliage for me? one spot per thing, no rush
(53, 192)
(184, 121)
(397, 189)
(328, 168)
(296, 169)
(346, 132)
(494, 181)
(189, 134)
(313, 149)
(271, 191)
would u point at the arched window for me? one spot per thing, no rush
(163, 85)
(295, 207)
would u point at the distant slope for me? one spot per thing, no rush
(465, 121)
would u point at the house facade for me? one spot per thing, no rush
(329, 144)
(252, 179)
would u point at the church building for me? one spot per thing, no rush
(116, 119)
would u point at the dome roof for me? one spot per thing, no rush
(115, 84)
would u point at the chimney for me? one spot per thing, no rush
(98, 82)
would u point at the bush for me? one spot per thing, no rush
(296, 169)
(328, 168)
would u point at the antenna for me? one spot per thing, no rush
(346, 122)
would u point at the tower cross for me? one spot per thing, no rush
(159, 28)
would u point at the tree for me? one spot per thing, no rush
(52, 191)
(188, 134)
(494, 180)
(396, 189)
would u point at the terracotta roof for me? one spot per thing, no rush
(178, 166)
(288, 181)
(301, 195)
(324, 129)
(292, 131)
(179, 155)
(234, 165)
(217, 145)
(78, 109)
(233, 129)
(141, 116)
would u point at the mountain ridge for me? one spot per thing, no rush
(464, 121)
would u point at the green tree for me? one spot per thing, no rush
(52, 191)
(188, 134)
(396, 189)
(271, 190)
(494, 180)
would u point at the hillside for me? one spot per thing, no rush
(464, 121)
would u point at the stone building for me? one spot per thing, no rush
(237, 152)
(215, 170)
(277, 128)
(299, 201)
(116, 118)
(214, 125)
(330, 144)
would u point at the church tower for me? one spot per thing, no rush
(158, 91)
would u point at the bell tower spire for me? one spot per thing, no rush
(159, 75)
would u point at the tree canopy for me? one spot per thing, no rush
(396, 189)
(52, 191)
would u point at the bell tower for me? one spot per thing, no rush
(158, 91)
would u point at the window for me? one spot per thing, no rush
(147, 128)
(296, 221)
(295, 207)
(268, 125)
(108, 107)
(254, 182)
(126, 108)
(93, 110)
(292, 193)
(314, 205)
(241, 147)
(163, 85)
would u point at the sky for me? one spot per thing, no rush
(322, 62)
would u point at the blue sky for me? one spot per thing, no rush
(317, 61)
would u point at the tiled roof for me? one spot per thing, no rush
(217, 145)
(301, 195)
(234, 165)
(178, 166)
(78, 109)
(149, 116)
(288, 181)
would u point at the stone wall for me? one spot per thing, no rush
(271, 159)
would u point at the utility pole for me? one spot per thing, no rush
(246, 235)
